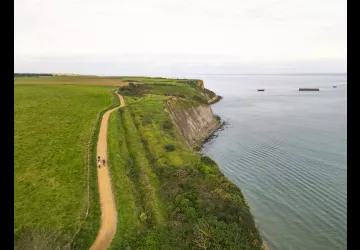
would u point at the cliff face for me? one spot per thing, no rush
(201, 84)
(194, 124)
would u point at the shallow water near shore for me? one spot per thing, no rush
(287, 151)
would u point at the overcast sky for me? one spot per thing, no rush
(120, 37)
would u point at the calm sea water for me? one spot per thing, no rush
(287, 151)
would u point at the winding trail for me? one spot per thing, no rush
(108, 210)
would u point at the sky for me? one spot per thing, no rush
(137, 37)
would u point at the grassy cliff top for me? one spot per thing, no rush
(100, 80)
(181, 198)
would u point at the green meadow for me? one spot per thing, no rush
(55, 129)
(96, 80)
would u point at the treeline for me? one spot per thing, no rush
(31, 74)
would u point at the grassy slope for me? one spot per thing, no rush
(52, 130)
(199, 206)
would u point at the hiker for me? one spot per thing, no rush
(99, 164)
(104, 161)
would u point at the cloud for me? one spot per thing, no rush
(173, 65)
(224, 31)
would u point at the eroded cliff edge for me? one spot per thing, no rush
(194, 124)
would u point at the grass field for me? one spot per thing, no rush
(95, 80)
(53, 125)
(73, 80)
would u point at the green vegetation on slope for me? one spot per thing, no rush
(198, 206)
(187, 95)
(53, 126)
(120, 163)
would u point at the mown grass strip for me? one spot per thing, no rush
(126, 194)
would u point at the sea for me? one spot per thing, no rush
(287, 151)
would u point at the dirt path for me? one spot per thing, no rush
(108, 211)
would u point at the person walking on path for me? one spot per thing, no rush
(98, 161)
(104, 161)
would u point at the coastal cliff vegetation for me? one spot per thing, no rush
(172, 197)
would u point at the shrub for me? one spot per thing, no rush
(169, 147)
(134, 90)
(143, 217)
(218, 118)
(207, 160)
(209, 93)
(121, 110)
(197, 147)
(167, 125)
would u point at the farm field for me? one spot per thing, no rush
(53, 126)
(73, 80)
(95, 80)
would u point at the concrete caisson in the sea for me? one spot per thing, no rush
(309, 89)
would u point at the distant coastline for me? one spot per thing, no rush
(284, 74)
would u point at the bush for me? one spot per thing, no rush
(207, 160)
(135, 90)
(197, 147)
(169, 147)
(167, 125)
(121, 110)
(209, 93)
(143, 217)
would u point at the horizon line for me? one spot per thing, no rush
(344, 73)
(339, 73)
